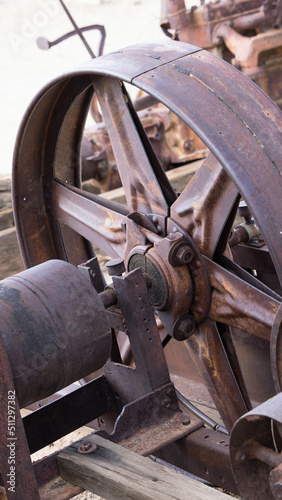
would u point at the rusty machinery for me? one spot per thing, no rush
(246, 33)
(193, 312)
(174, 142)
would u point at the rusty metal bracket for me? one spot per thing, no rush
(151, 422)
(151, 416)
(17, 472)
(255, 451)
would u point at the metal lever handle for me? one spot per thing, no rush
(44, 44)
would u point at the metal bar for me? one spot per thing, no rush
(87, 216)
(16, 468)
(233, 299)
(140, 321)
(44, 44)
(188, 406)
(144, 102)
(200, 210)
(180, 471)
(141, 184)
(46, 425)
(212, 451)
(77, 30)
(209, 354)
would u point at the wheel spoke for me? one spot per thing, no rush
(204, 206)
(90, 216)
(210, 357)
(142, 188)
(237, 303)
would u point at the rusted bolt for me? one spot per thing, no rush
(188, 145)
(87, 448)
(181, 255)
(244, 211)
(184, 327)
(170, 392)
(184, 254)
(123, 226)
(186, 421)
(187, 327)
(166, 403)
(277, 489)
(240, 457)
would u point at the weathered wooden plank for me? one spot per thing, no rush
(10, 257)
(5, 199)
(180, 176)
(5, 192)
(117, 474)
(5, 183)
(6, 218)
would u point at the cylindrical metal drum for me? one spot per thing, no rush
(54, 327)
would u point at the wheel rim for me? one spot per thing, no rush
(46, 180)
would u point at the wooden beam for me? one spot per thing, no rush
(6, 218)
(10, 257)
(116, 473)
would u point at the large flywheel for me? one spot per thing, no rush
(218, 305)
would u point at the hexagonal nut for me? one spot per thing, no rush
(184, 327)
(181, 254)
(275, 480)
(184, 254)
(277, 490)
(86, 448)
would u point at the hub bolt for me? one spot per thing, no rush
(184, 327)
(181, 254)
(277, 489)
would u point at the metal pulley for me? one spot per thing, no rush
(54, 328)
(255, 451)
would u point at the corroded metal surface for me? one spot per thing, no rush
(47, 312)
(225, 314)
(255, 450)
(17, 474)
(173, 142)
(246, 33)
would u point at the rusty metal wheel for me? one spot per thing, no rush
(255, 451)
(201, 295)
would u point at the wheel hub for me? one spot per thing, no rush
(180, 288)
